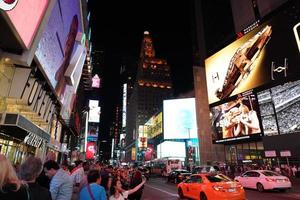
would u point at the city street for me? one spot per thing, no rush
(157, 188)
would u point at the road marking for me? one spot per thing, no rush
(171, 194)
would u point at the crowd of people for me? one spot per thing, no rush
(35, 180)
(290, 171)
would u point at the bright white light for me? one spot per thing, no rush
(179, 118)
(169, 149)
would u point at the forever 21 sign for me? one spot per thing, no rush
(38, 99)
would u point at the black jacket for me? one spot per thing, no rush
(38, 192)
(9, 193)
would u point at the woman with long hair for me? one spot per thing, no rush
(10, 185)
(117, 193)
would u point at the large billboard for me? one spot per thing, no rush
(179, 119)
(170, 149)
(154, 126)
(94, 113)
(24, 21)
(279, 108)
(60, 48)
(236, 119)
(268, 53)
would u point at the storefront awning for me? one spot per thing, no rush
(19, 127)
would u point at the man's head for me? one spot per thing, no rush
(50, 168)
(94, 176)
(78, 163)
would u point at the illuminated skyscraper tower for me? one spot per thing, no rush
(152, 86)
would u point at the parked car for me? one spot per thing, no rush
(206, 169)
(211, 186)
(145, 172)
(264, 180)
(178, 175)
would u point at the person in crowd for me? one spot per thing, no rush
(135, 181)
(65, 166)
(61, 185)
(93, 190)
(117, 193)
(10, 186)
(77, 176)
(294, 170)
(29, 171)
(44, 180)
(106, 177)
(278, 170)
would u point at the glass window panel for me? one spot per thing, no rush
(252, 145)
(260, 146)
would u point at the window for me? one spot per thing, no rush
(196, 179)
(270, 173)
(218, 178)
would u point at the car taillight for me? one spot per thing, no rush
(179, 176)
(270, 179)
(239, 185)
(218, 188)
(287, 180)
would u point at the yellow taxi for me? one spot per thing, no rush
(211, 187)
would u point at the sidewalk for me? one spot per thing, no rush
(295, 184)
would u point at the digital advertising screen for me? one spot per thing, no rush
(281, 102)
(26, 27)
(95, 110)
(179, 119)
(154, 126)
(58, 45)
(93, 131)
(236, 119)
(170, 149)
(266, 54)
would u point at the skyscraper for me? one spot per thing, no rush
(152, 85)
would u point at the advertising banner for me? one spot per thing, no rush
(94, 113)
(133, 153)
(154, 126)
(26, 27)
(149, 153)
(57, 50)
(180, 119)
(236, 119)
(93, 131)
(268, 53)
(170, 149)
(90, 150)
(280, 105)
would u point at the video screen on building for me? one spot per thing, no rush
(236, 119)
(266, 54)
(281, 102)
(179, 119)
(24, 20)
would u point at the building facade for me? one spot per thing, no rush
(152, 86)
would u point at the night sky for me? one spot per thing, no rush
(117, 28)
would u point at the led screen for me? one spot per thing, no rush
(92, 132)
(169, 149)
(268, 53)
(282, 103)
(94, 113)
(59, 42)
(236, 119)
(179, 119)
(25, 21)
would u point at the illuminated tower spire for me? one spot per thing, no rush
(147, 49)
